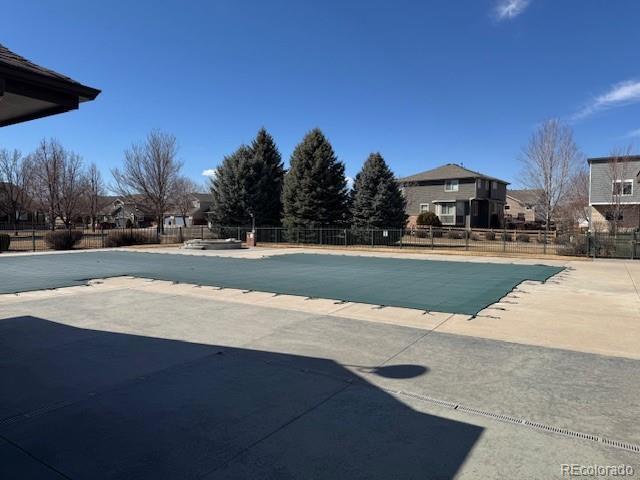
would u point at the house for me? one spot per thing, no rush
(459, 196)
(200, 203)
(125, 212)
(522, 207)
(614, 192)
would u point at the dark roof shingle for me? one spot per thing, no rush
(450, 171)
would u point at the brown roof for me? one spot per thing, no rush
(525, 196)
(17, 65)
(450, 171)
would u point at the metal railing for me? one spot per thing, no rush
(507, 242)
(42, 239)
(496, 241)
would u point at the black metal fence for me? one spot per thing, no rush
(532, 242)
(34, 239)
(507, 242)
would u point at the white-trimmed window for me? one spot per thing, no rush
(447, 213)
(451, 185)
(623, 187)
(424, 207)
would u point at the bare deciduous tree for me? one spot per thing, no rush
(575, 208)
(59, 182)
(619, 170)
(150, 170)
(183, 197)
(549, 162)
(94, 193)
(16, 181)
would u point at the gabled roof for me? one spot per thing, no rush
(525, 196)
(203, 197)
(450, 171)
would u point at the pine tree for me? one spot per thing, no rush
(229, 189)
(266, 176)
(315, 188)
(249, 181)
(377, 201)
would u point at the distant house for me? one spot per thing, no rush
(459, 196)
(522, 207)
(195, 216)
(125, 212)
(614, 191)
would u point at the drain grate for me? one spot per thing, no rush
(630, 447)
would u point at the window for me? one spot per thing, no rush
(451, 185)
(623, 187)
(424, 207)
(494, 185)
(447, 213)
(507, 207)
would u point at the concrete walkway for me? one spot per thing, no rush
(114, 382)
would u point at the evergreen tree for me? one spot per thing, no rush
(377, 201)
(315, 188)
(264, 184)
(229, 189)
(249, 181)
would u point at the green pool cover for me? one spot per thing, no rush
(444, 286)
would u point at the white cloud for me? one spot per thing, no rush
(622, 93)
(633, 134)
(349, 182)
(210, 172)
(508, 9)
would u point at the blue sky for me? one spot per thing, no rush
(424, 83)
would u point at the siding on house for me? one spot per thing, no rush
(434, 191)
(479, 199)
(600, 185)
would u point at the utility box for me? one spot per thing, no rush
(251, 239)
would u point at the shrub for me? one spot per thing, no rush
(505, 237)
(428, 218)
(474, 236)
(489, 235)
(563, 239)
(455, 235)
(522, 237)
(5, 240)
(63, 239)
(125, 238)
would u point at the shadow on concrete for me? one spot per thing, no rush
(78, 403)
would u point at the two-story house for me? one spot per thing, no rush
(459, 196)
(522, 207)
(197, 215)
(614, 192)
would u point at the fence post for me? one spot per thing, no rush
(401, 233)
(633, 244)
(180, 238)
(201, 232)
(371, 238)
(320, 236)
(504, 239)
(102, 237)
(544, 242)
(33, 239)
(467, 234)
(345, 238)
(431, 235)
